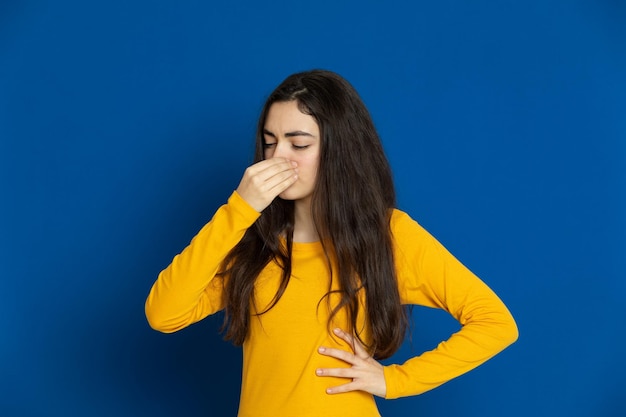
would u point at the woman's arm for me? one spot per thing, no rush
(188, 290)
(429, 275)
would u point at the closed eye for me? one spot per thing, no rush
(300, 147)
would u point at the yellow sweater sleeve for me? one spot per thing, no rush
(429, 275)
(188, 290)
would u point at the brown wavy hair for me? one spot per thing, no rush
(351, 206)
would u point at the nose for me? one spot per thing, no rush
(281, 150)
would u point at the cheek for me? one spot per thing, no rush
(308, 167)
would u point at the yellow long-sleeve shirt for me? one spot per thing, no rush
(280, 354)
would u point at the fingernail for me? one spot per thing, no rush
(318, 372)
(322, 349)
(337, 330)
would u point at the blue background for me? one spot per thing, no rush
(124, 125)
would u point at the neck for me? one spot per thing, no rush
(304, 228)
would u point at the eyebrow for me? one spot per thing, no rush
(288, 134)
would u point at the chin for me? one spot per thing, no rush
(291, 194)
(288, 196)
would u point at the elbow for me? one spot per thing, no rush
(510, 331)
(513, 333)
(158, 325)
(157, 321)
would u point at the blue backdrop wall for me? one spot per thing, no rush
(124, 125)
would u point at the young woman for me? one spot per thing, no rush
(313, 266)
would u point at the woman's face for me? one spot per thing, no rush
(289, 133)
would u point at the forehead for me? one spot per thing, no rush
(284, 116)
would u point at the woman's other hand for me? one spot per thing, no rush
(365, 373)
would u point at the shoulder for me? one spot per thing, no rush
(399, 216)
(403, 226)
(411, 239)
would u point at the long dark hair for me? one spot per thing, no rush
(351, 206)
